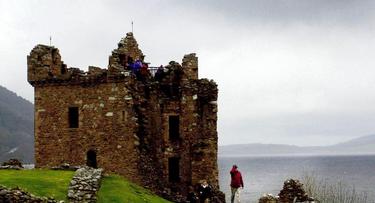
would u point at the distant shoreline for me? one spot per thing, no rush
(294, 155)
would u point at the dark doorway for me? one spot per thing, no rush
(174, 169)
(73, 117)
(174, 127)
(91, 159)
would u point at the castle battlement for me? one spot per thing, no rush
(45, 66)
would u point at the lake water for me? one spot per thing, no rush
(267, 174)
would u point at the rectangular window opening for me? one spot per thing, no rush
(73, 117)
(174, 127)
(123, 116)
(174, 169)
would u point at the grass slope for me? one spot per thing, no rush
(116, 189)
(50, 183)
(47, 183)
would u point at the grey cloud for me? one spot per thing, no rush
(297, 71)
(289, 11)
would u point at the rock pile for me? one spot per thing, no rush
(12, 164)
(293, 192)
(268, 198)
(84, 185)
(217, 196)
(65, 167)
(16, 195)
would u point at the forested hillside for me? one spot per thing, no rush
(16, 127)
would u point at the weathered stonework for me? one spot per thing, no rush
(16, 195)
(84, 185)
(126, 122)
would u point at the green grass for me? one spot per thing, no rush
(46, 183)
(51, 183)
(117, 189)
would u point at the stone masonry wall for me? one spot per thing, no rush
(106, 125)
(85, 185)
(127, 50)
(124, 120)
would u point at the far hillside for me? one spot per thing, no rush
(359, 146)
(16, 127)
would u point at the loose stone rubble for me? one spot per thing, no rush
(268, 198)
(12, 164)
(293, 192)
(16, 195)
(217, 197)
(65, 167)
(160, 133)
(84, 185)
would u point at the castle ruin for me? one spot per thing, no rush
(160, 134)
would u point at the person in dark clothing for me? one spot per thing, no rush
(129, 63)
(204, 191)
(192, 197)
(136, 67)
(236, 183)
(159, 73)
(144, 72)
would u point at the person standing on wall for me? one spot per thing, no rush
(236, 183)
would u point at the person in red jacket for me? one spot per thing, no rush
(236, 182)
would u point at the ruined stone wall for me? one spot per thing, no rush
(85, 185)
(17, 195)
(190, 66)
(44, 62)
(125, 120)
(204, 148)
(127, 50)
(106, 125)
(199, 106)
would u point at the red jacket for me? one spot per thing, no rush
(236, 178)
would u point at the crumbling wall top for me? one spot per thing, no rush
(44, 62)
(46, 67)
(127, 52)
(129, 46)
(190, 65)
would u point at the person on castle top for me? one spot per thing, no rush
(144, 71)
(136, 68)
(159, 73)
(129, 63)
(236, 183)
(204, 191)
(138, 64)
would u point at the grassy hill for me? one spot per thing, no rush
(116, 189)
(46, 183)
(55, 184)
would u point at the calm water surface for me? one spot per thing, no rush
(267, 174)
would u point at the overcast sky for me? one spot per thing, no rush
(289, 71)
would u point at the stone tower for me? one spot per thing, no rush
(158, 131)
